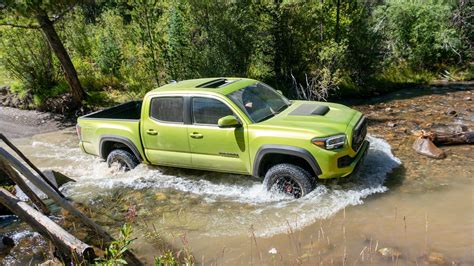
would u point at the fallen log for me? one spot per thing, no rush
(64, 203)
(63, 240)
(24, 158)
(16, 178)
(440, 138)
(426, 142)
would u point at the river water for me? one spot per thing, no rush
(421, 208)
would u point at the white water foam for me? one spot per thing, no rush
(271, 213)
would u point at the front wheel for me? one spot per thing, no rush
(125, 159)
(289, 179)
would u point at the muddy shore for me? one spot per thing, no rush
(18, 123)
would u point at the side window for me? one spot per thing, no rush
(167, 109)
(209, 111)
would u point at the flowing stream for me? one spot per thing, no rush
(395, 201)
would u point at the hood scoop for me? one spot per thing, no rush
(310, 109)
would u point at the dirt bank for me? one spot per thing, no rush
(17, 123)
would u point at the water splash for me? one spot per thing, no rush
(228, 204)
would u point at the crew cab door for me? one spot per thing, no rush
(214, 148)
(165, 135)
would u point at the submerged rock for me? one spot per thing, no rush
(6, 244)
(389, 252)
(434, 258)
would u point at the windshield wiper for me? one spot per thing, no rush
(282, 108)
(267, 117)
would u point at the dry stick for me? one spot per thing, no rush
(48, 190)
(63, 240)
(13, 175)
(14, 148)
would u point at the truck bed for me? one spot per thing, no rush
(118, 122)
(130, 111)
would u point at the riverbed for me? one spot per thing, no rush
(417, 209)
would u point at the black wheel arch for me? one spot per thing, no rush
(301, 154)
(108, 142)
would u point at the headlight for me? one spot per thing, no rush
(330, 143)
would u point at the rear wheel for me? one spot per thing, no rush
(289, 179)
(125, 159)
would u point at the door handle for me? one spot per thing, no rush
(151, 132)
(196, 135)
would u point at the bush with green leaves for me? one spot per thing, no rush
(28, 58)
(418, 32)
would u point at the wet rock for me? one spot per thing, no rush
(4, 90)
(434, 258)
(389, 252)
(56, 178)
(6, 244)
(391, 124)
(451, 111)
(425, 147)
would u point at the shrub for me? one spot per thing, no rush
(27, 56)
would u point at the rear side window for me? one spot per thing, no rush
(209, 111)
(167, 109)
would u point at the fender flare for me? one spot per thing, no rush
(119, 139)
(286, 150)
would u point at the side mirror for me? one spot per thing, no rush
(280, 92)
(228, 121)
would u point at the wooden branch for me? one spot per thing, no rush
(22, 156)
(13, 175)
(51, 193)
(62, 14)
(61, 239)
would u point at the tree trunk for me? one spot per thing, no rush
(57, 46)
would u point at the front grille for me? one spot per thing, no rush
(359, 133)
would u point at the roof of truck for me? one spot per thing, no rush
(218, 85)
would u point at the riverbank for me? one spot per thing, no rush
(18, 123)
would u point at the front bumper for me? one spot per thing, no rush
(342, 165)
(359, 160)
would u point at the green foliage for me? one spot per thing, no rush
(167, 259)
(109, 37)
(28, 59)
(122, 49)
(114, 254)
(418, 32)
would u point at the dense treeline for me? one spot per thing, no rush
(305, 48)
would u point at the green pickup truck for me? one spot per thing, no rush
(233, 125)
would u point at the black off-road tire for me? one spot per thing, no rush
(125, 159)
(283, 176)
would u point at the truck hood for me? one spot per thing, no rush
(322, 117)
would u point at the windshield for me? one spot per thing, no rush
(259, 101)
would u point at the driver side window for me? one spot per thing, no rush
(208, 111)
